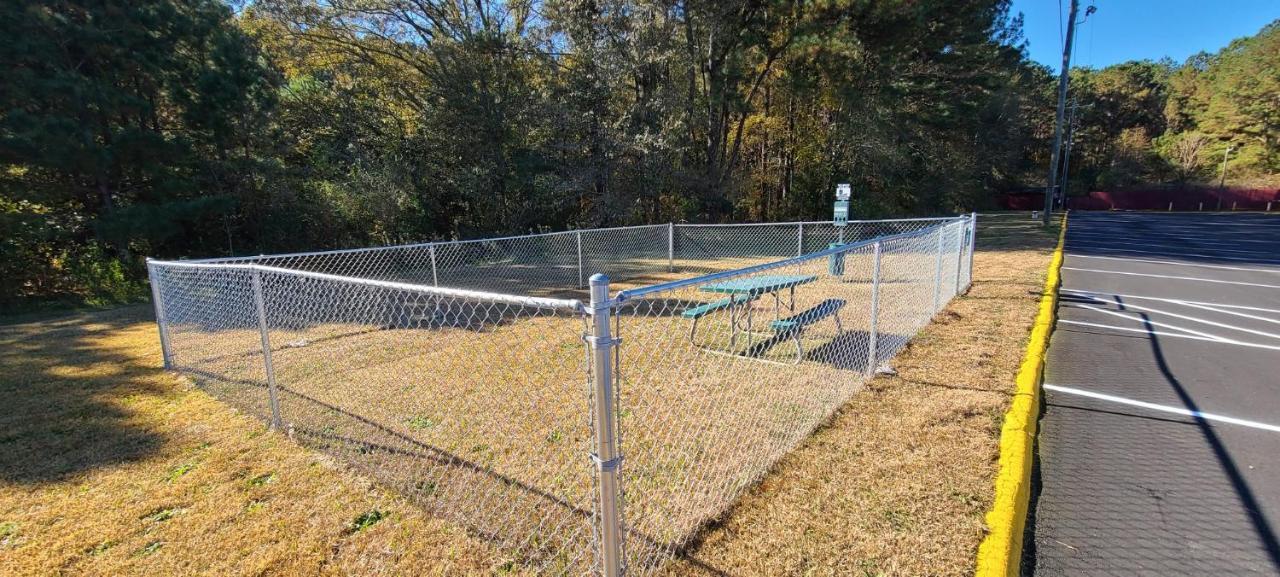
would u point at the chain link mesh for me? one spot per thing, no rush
(705, 410)
(477, 405)
(705, 248)
(474, 407)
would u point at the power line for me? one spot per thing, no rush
(1059, 24)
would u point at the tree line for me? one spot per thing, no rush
(1143, 123)
(191, 128)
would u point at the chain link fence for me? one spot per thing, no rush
(481, 382)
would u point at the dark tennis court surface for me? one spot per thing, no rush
(1159, 448)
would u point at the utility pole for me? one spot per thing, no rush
(1222, 181)
(1066, 155)
(1050, 191)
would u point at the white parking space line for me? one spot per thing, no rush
(1127, 306)
(1166, 251)
(1177, 263)
(1144, 331)
(1163, 408)
(1226, 311)
(1129, 317)
(1149, 332)
(1173, 277)
(1107, 237)
(1155, 241)
(1178, 301)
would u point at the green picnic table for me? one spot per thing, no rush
(743, 291)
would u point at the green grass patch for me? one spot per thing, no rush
(177, 472)
(162, 515)
(366, 520)
(420, 422)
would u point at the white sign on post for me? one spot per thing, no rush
(840, 216)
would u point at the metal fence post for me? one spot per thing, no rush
(872, 353)
(671, 247)
(266, 348)
(800, 239)
(161, 321)
(937, 272)
(435, 280)
(973, 239)
(606, 458)
(580, 270)
(961, 235)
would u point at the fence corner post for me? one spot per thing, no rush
(961, 238)
(872, 353)
(800, 239)
(435, 278)
(263, 330)
(581, 271)
(671, 247)
(973, 239)
(161, 321)
(937, 273)
(605, 457)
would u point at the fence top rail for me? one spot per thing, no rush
(541, 234)
(574, 305)
(799, 222)
(629, 294)
(332, 252)
(249, 258)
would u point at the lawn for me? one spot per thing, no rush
(111, 465)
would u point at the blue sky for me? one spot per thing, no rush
(1136, 29)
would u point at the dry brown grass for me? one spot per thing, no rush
(897, 483)
(109, 465)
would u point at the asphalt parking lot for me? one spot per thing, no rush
(1159, 448)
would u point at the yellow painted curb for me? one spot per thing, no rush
(1000, 554)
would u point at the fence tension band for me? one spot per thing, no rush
(600, 341)
(609, 466)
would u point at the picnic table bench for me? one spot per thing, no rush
(705, 309)
(742, 292)
(794, 326)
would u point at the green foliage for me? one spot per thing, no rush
(366, 520)
(176, 128)
(1153, 122)
(420, 422)
(126, 128)
(107, 279)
